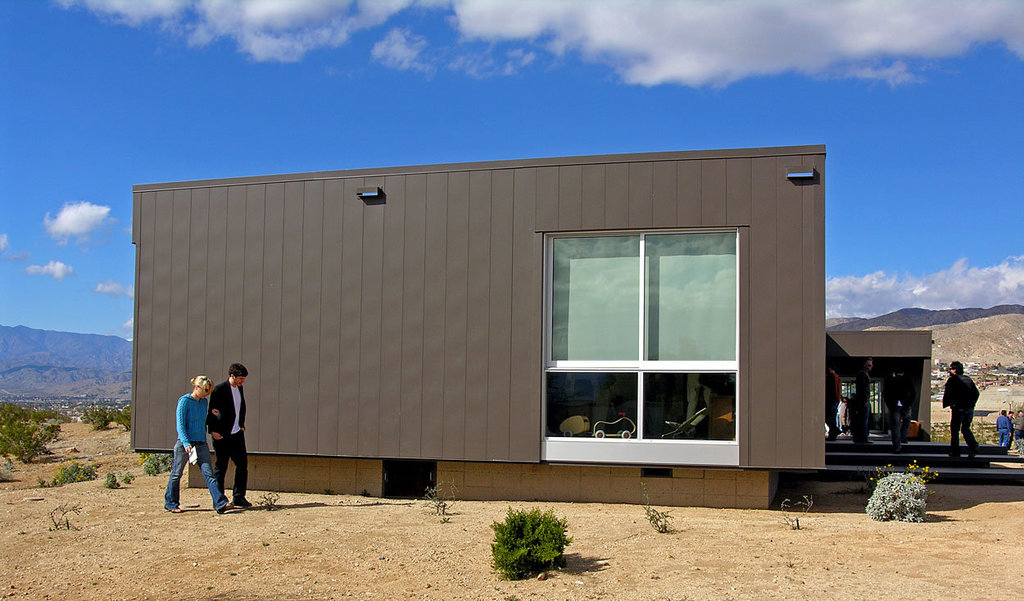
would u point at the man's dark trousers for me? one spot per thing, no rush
(858, 422)
(960, 422)
(232, 447)
(899, 426)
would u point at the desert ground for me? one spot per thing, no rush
(123, 545)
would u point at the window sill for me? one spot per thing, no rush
(656, 452)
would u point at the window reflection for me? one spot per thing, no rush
(595, 298)
(691, 297)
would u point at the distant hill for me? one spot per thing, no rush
(997, 339)
(909, 319)
(46, 363)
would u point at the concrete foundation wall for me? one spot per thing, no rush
(748, 489)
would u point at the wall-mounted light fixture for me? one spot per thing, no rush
(800, 174)
(374, 195)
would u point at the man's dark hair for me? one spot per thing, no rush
(238, 370)
(956, 367)
(865, 363)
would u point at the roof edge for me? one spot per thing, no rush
(735, 153)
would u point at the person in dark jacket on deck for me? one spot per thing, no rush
(960, 395)
(898, 393)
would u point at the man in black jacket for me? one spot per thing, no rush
(860, 405)
(226, 423)
(898, 393)
(960, 395)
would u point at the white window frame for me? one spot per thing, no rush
(637, 450)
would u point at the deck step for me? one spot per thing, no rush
(978, 475)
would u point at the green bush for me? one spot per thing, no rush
(899, 496)
(24, 433)
(123, 417)
(111, 482)
(10, 412)
(127, 477)
(6, 470)
(26, 439)
(69, 473)
(156, 463)
(98, 417)
(528, 542)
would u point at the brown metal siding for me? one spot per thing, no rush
(478, 315)
(761, 337)
(527, 305)
(413, 317)
(310, 319)
(789, 311)
(328, 374)
(414, 328)
(453, 443)
(264, 393)
(434, 316)
(498, 343)
(254, 295)
(393, 256)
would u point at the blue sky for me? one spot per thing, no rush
(920, 104)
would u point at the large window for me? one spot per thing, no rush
(643, 337)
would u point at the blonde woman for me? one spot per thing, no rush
(191, 425)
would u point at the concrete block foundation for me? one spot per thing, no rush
(479, 481)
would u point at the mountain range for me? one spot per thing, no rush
(909, 319)
(46, 364)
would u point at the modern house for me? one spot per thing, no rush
(552, 329)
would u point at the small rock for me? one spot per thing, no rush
(34, 499)
(542, 576)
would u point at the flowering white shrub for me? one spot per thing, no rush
(898, 496)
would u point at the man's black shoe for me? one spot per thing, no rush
(225, 508)
(972, 452)
(244, 504)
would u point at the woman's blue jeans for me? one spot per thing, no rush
(171, 497)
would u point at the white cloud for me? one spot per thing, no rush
(77, 219)
(54, 269)
(401, 50)
(957, 287)
(5, 246)
(131, 12)
(648, 42)
(129, 325)
(114, 289)
(265, 30)
(702, 42)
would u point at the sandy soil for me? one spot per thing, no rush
(335, 547)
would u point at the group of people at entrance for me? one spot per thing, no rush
(852, 413)
(223, 417)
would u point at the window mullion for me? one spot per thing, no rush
(642, 344)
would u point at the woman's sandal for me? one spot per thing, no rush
(175, 510)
